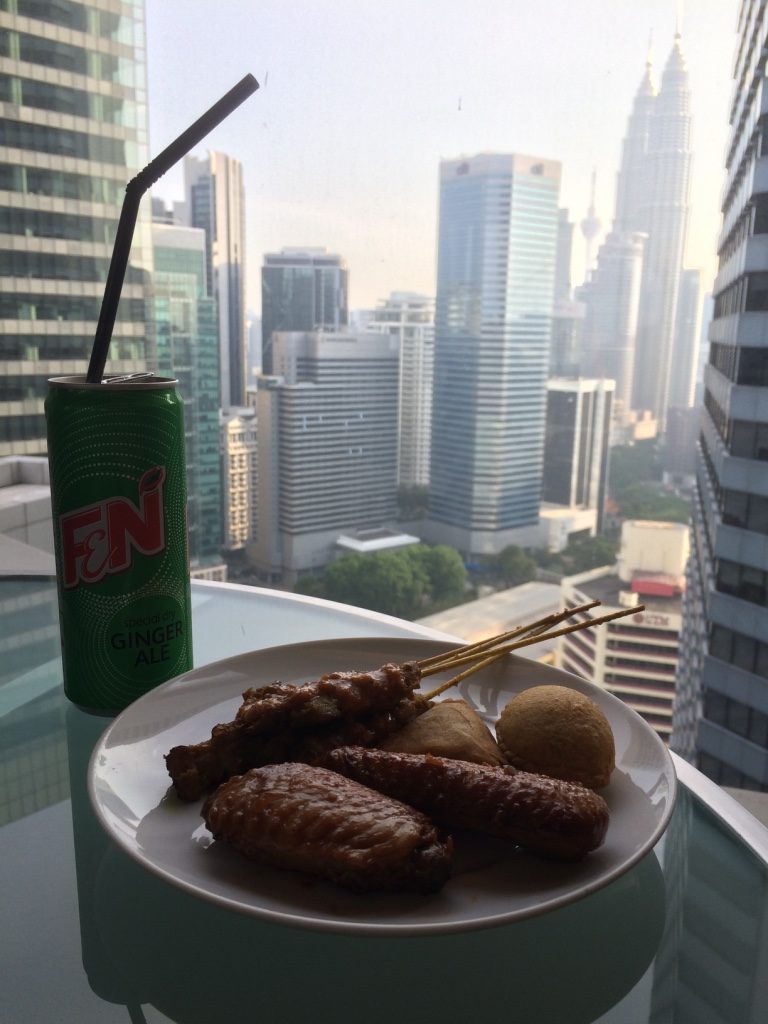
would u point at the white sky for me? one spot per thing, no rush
(360, 100)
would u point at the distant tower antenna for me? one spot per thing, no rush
(590, 228)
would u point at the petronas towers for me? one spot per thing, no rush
(632, 297)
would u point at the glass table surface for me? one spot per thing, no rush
(89, 936)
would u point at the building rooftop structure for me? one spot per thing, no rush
(499, 612)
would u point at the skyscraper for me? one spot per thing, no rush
(73, 132)
(612, 305)
(215, 202)
(301, 290)
(662, 199)
(327, 426)
(411, 319)
(497, 244)
(576, 445)
(188, 349)
(721, 709)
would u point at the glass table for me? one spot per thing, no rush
(90, 936)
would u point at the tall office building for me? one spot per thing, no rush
(301, 290)
(327, 425)
(215, 202)
(576, 443)
(411, 319)
(685, 353)
(612, 305)
(721, 710)
(73, 132)
(663, 201)
(497, 246)
(188, 349)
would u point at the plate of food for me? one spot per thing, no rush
(383, 786)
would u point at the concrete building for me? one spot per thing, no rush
(327, 427)
(612, 303)
(500, 612)
(578, 427)
(74, 133)
(215, 202)
(302, 290)
(635, 657)
(188, 349)
(239, 474)
(685, 352)
(497, 248)
(721, 712)
(411, 319)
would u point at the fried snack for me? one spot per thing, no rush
(449, 729)
(557, 731)
(548, 817)
(313, 820)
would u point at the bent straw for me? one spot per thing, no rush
(134, 191)
(439, 662)
(537, 638)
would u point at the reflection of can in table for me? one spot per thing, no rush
(118, 491)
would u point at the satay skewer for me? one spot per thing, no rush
(499, 652)
(445, 659)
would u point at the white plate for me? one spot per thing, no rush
(491, 884)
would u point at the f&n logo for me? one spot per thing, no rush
(100, 539)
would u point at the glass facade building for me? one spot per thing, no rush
(188, 349)
(721, 709)
(215, 202)
(301, 290)
(497, 245)
(73, 132)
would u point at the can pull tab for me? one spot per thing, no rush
(127, 378)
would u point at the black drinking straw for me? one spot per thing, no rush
(134, 190)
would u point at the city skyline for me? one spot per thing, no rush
(369, 188)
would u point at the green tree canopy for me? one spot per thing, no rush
(516, 566)
(407, 583)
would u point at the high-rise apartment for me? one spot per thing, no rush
(301, 290)
(498, 223)
(215, 202)
(327, 425)
(188, 349)
(721, 711)
(411, 318)
(73, 132)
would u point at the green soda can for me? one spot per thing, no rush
(119, 496)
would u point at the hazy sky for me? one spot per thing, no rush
(360, 100)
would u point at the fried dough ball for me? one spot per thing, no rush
(556, 731)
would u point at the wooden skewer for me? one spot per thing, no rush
(440, 662)
(499, 652)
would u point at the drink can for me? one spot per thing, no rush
(119, 496)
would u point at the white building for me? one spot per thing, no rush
(411, 318)
(239, 454)
(327, 422)
(634, 657)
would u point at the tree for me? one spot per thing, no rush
(516, 566)
(643, 501)
(445, 572)
(388, 582)
(590, 553)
